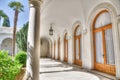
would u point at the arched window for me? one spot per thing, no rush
(59, 48)
(77, 46)
(66, 47)
(103, 43)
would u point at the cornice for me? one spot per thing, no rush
(36, 3)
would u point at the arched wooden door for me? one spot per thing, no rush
(104, 59)
(59, 48)
(54, 49)
(77, 46)
(65, 48)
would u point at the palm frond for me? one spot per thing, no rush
(16, 6)
(2, 14)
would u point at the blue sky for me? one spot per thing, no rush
(23, 16)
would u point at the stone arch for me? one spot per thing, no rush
(102, 6)
(5, 37)
(74, 26)
(113, 11)
(65, 31)
(7, 45)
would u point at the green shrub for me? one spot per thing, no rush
(21, 58)
(8, 68)
(21, 37)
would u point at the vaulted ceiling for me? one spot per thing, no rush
(64, 13)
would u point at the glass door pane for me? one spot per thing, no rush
(77, 49)
(80, 49)
(66, 49)
(99, 47)
(109, 47)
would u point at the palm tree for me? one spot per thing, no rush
(6, 22)
(2, 15)
(17, 7)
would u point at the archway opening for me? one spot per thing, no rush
(7, 45)
(44, 47)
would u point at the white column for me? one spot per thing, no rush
(50, 48)
(33, 44)
(52, 41)
(70, 47)
(116, 32)
(87, 49)
(56, 53)
(62, 47)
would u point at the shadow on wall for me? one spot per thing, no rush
(44, 47)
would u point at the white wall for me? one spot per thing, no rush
(44, 48)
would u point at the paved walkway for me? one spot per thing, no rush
(53, 70)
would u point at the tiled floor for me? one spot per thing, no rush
(54, 70)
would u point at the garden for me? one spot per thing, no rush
(11, 68)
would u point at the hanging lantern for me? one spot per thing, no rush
(51, 30)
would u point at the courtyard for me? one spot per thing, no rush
(56, 70)
(61, 40)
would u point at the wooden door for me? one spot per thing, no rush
(103, 44)
(65, 48)
(77, 46)
(59, 48)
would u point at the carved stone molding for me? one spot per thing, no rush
(35, 3)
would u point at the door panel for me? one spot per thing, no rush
(65, 48)
(77, 49)
(80, 49)
(104, 51)
(109, 47)
(99, 48)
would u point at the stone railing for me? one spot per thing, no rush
(7, 30)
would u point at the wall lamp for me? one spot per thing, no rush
(51, 30)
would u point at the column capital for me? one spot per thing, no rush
(35, 3)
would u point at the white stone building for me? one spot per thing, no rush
(6, 36)
(86, 33)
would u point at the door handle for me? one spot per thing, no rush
(103, 55)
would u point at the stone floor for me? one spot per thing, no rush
(55, 70)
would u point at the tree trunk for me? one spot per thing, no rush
(14, 31)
